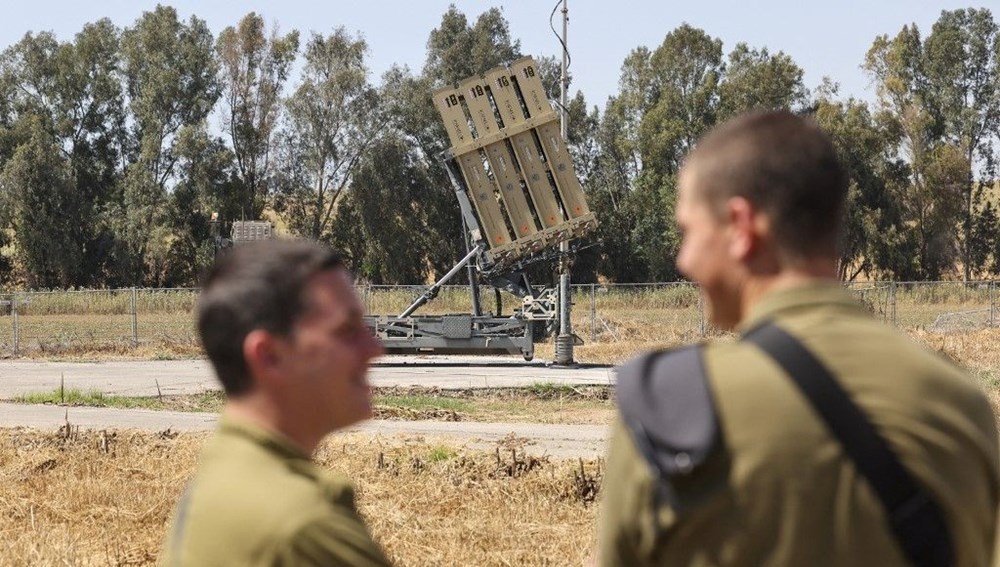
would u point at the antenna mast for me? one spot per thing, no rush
(564, 341)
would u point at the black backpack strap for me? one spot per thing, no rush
(667, 407)
(917, 520)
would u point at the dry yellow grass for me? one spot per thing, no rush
(974, 349)
(95, 498)
(977, 351)
(87, 352)
(88, 499)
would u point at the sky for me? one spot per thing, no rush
(826, 39)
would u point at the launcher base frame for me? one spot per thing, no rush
(455, 334)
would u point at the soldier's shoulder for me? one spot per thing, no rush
(252, 478)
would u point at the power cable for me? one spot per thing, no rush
(569, 59)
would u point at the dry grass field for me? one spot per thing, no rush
(99, 498)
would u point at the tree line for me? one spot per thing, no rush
(116, 147)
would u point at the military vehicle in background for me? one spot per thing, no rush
(242, 231)
(520, 201)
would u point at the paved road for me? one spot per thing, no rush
(559, 441)
(144, 378)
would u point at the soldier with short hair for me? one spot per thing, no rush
(283, 329)
(820, 436)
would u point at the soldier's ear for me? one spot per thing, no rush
(743, 221)
(260, 350)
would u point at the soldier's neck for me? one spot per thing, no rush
(806, 272)
(260, 411)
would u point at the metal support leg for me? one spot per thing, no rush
(564, 342)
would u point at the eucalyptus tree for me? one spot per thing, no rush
(171, 82)
(876, 242)
(64, 102)
(381, 222)
(254, 68)
(43, 204)
(962, 71)
(331, 120)
(456, 50)
(207, 183)
(668, 98)
(755, 79)
(940, 98)
(7, 147)
(171, 79)
(984, 247)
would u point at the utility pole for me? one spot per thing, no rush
(564, 342)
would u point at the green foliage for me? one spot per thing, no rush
(71, 396)
(64, 115)
(940, 98)
(441, 453)
(333, 117)
(254, 68)
(757, 80)
(456, 50)
(203, 402)
(6, 263)
(94, 398)
(109, 169)
(422, 402)
(382, 224)
(876, 242)
(669, 98)
(962, 66)
(549, 390)
(172, 83)
(42, 194)
(984, 241)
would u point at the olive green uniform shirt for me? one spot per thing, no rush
(779, 490)
(257, 500)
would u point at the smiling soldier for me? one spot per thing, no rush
(820, 436)
(284, 330)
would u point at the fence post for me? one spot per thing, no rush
(993, 303)
(892, 301)
(17, 328)
(135, 322)
(701, 312)
(593, 312)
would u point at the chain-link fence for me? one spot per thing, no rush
(61, 321)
